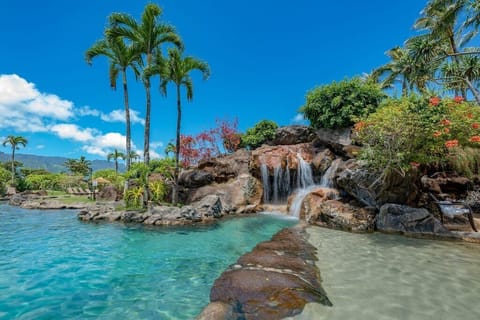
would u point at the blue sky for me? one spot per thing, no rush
(264, 56)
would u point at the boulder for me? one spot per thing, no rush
(195, 178)
(108, 193)
(338, 140)
(334, 214)
(401, 218)
(242, 194)
(294, 134)
(275, 280)
(209, 206)
(227, 167)
(217, 311)
(441, 182)
(373, 189)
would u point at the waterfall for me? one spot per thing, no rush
(277, 182)
(327, 178)
(304, 173)
(265, 182)
(297, 202)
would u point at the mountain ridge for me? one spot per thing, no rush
(54, 164)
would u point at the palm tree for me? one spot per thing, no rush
(115, 155)
(80, 167)
(14, 142)
(147, 38)
(440, 19)
(121, 56)
(399, 69)
(169, 148)
(134, 155)
(176, 69)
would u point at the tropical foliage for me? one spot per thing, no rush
(121, 57)
(15, 142)
(336, 105)
(260, 133)
(176, 69)
(416, 131)
(440, 54)
(115, 155)
(78, 167)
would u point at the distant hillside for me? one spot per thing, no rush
(54, 164)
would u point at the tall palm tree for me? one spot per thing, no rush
(134, 155)
(115, 155)
(176, 69)
(146, 36)
(14, 142)
(121, 56)
(399, 69)
(441, 20)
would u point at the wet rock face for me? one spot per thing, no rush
(280, 156)
(399, 218)
(226, 167)
(370, 189)
(295, 134)
(338, 140)
(275, 280)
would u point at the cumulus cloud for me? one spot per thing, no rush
(118, 115)
(156, 144)
(87, 111)
(20, 99)
(72, 131)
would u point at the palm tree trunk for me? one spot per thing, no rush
(13, 164)
(474, 91)
(116, 167)
(128, 138)
(146, 146)
(177, 147)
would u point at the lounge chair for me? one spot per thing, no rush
(454, 208)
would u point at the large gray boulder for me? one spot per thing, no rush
(195, 178)
(372, 189)
(338, 140)
(294, 134)
(400, 218)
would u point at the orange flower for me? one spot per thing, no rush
(475, 139)
(458, 99)
(415, 164)
(434, 101)
(445, 122)
(469, 115)
(446, 130)
(359, 126)
(475, 125)
(451, 143)
(437, 134)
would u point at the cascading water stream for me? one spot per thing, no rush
(327, 178)
(265, 182)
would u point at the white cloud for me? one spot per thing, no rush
(299, 118)
(87, 111)
(72, 131)
(20, 96)
(40, 146)
(156, 144)
(118, 115)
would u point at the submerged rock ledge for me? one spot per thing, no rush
(273, 281)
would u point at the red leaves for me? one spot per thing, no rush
(205, 145)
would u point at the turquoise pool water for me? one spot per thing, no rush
(54, 267)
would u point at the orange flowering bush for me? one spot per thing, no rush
(430, 132)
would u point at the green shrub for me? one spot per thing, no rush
(5, 177)
(134, 197)
(49, 181)
(165, 166)
(158, 190)
(338, 104)
(417, 131)
(262, 132)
